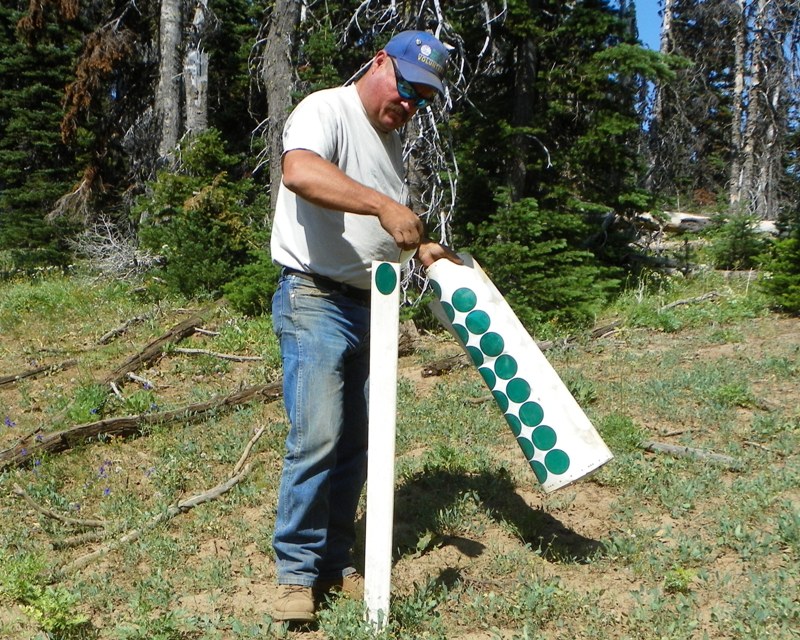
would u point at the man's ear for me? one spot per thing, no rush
(380, 59)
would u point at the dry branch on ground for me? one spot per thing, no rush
(37, 443)
(240, 471)
(32, 373)
(688, 452)
(154, 349)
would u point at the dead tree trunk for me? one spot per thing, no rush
(195, 73)
(740, 49)
(277, 74)
(167, 98)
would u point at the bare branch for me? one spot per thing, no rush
(53, 515)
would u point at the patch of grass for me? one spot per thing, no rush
(53, 608)
(651, 546)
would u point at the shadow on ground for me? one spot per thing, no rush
(422, 499)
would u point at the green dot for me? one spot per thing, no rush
(540, 470)
(514, 423)
(464, 299)
(492, 344)
(556, 461)
(385, 278)
(476, 355)
(527, 447)
(501, 399)
(478, 322)
(488, 376)
(505, 367)
(449, 311)
(544, 437)
(518, 390)
(531, 414)
(437, 290)
(462, 332)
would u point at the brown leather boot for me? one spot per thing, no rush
(295, 603)
(350, 586)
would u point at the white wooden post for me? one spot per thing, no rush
(384, 330)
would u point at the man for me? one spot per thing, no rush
(340, 206)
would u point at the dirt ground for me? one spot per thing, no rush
(575, 519)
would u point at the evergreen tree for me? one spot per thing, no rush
(555, 122)
(690, 137)
(36, 167)
(536, 259)
(203, 223)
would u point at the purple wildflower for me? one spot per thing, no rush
(9, 422)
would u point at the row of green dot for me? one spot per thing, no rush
(492, 363)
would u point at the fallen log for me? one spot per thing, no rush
(711, 295)
(37, 443)
(688, 452)
(32, 373)
(154, 349)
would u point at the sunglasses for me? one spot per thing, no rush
(407, 91)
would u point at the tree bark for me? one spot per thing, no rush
(195, 73)
(277, 74)
(167, 98)
(522, 117)
(740, 48)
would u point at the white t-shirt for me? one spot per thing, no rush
(333, 124)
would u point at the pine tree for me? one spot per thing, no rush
(536, 259)
(35, 166)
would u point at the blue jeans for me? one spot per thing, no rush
(324, 340)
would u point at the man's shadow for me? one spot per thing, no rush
(422, 499)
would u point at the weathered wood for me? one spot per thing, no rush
(32, 373)
(221, 356)
(38, 443)
(688, 452)
(239, 473)
(119, 330)
(54, 515)
(679, 222)
(711, 295)
(408, 338)
(154, 349)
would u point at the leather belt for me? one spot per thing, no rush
(327, 284)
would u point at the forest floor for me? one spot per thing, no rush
(650, 546)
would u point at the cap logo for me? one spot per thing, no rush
(425, 49)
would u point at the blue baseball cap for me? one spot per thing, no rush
(420, 57)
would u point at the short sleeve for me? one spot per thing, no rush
(313, 125)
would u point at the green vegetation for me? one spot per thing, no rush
(204, 223)
(650, 546)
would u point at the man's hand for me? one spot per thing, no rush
(323, 183)
(402, 224)
(430, 251)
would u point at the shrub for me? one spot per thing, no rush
(250, 292)
(736, 242)
(204, 224)
(537, 260)
(783, 284)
